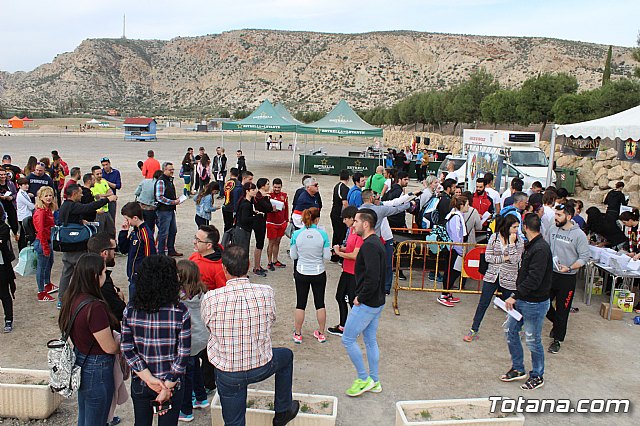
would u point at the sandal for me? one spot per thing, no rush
(533, 383)
(512, 375)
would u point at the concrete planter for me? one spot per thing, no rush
(264, 417)
(455, 412)
(27, 401)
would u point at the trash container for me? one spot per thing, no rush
(566, 178)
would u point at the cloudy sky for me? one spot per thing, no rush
(34, 32)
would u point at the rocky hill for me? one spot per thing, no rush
(307, 71)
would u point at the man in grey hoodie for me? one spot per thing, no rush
(382, 228)
(570, 251)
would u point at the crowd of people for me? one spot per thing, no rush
(190, 326)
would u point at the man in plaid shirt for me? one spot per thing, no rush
(239, 317)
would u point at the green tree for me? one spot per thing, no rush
(636, 56)
(392, 117)
(573, 108)
(500, 107)
(240, 114)
(435, 106)
(538, 95)
(224, 113)
(615, 96)
(465, 104)
(606, 75)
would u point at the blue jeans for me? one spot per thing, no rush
(187, 184)
(142, 396)
(488, 289)
(45, 263)
(232, 386)
(193, 382)
(388, 249)
(533, 315)
(96, 388)
(167, 230)
(363, 320)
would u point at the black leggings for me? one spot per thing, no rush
(260, 231)
(201, 221)
(6, 286)
(317, 283)
(346, 288)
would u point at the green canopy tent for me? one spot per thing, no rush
(266, 118)
(284, 112)
(340, 121)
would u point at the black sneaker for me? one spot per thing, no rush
(271, 267)
(259, 273)
(281, 419)
(401, 276)
(512, 375)
(554, 348)
(336, 331)
(533, 383)
(8, 327)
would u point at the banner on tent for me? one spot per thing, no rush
(481, 160)
(628, 150)
(582, 147)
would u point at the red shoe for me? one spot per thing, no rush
(453, 299)
(443, 300)
(44, 297)
(279, 264)
(50, 288)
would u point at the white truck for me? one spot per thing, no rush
(523, 156)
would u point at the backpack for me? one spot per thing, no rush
(29, 229)
(428, 215)
(497, 221)
(64, 375)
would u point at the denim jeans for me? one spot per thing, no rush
(193, 382)
(142, 395)
(96, 388)
(45, 263)
(363, 320)
(187, 184)
(388, 249)
(167, 230)
(533, 315)
(232, 386)
(488, 289)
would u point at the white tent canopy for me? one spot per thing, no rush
(93, 121)
(623, 125)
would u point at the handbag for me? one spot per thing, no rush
(290, 229)
(483, 267)
(64, 374)
(71, 236)
(240, 237)
(27, 262)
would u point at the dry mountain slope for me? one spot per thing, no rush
(306, 70)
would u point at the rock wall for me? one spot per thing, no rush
(402, 138)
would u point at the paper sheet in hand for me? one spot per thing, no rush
(8, 194)
(500, 304)
(485, 217)
(182, 198)
(633, 265)
(278, 205)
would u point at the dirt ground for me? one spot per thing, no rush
(423, 355)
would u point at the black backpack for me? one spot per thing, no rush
(29, 229)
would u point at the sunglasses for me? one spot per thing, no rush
(40, 164)
(105, 160)
(560, 207)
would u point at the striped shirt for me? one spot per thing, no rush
(159, 341)
(239, 317)
(160, 197)
(506, 272)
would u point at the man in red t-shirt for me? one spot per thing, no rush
(347, 283)
(150, 165)
(277, 222)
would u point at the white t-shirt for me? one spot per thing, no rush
(506, 194)
(453, 175)
(494, 195)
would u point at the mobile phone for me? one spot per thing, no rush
(160, 407)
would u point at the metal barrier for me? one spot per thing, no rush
(410, 253)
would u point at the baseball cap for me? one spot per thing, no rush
(6, 157)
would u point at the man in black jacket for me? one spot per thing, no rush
(531, 299)
(73, 211)
(105, 246)
(396, 191)
(444, 205)
(367, 306)
(220, 168)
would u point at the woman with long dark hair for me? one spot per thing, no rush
(31, 165)
(92, 337)
(204, 203)
(310, 248)
(187, 170)
(156, 342)
(503, 254)
(457, 234)
(606, 229)
(245, 215)
(204, 170)
(262, 204)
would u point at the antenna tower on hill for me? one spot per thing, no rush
(124, 24)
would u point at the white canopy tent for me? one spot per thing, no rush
(624, 125)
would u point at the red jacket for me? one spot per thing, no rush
(43, 222)
(211, 271)
(482, 203)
